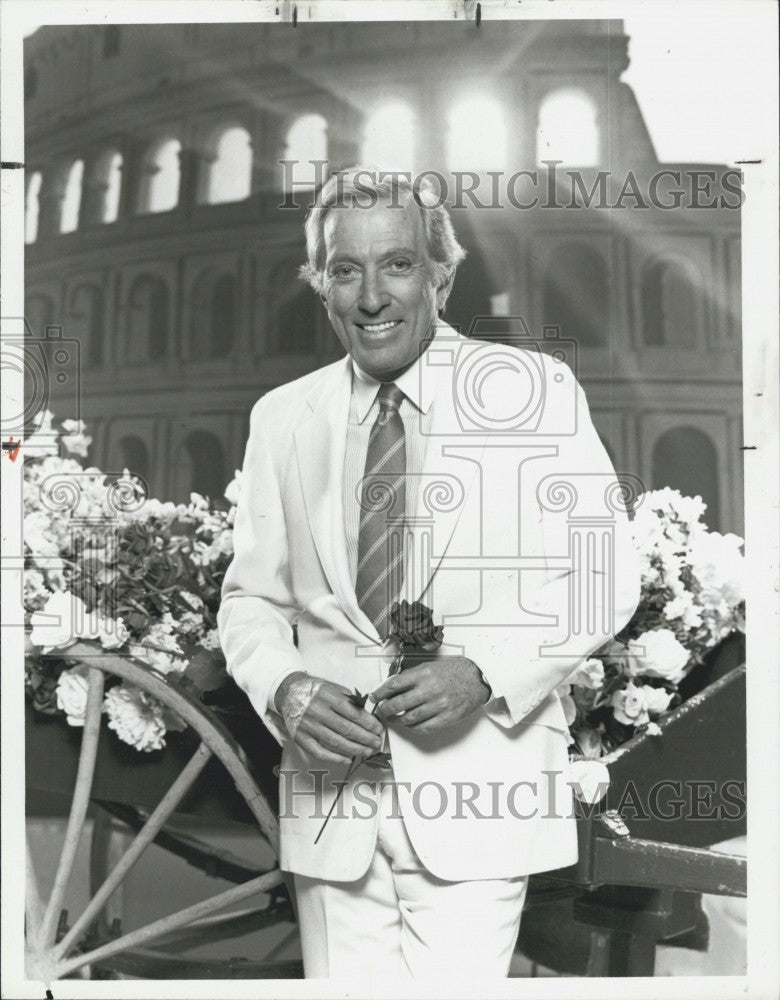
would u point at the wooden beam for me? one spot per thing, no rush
(630, 861)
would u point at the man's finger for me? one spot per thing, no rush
(403, 702)
(358, 717)
(399, 682)
(423, 713)
(319, 752)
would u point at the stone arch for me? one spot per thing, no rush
(567, 128)
(671, 303)
(228, 171)
(146, 328)
(214, 315)
(86, 322)
(293, 311)
(158, 190)
(686, 459)
(201, 466)
(307, 140)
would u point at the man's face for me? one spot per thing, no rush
(380, 288)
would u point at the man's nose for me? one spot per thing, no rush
(373, 294)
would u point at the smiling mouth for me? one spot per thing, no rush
(378, 327)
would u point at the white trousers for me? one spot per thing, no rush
(398, 920)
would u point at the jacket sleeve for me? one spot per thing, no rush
(258, 607)
(591, 585)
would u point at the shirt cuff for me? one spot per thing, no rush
(275, 687)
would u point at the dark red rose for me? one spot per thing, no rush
(413, 624)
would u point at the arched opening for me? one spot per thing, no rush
(293, 312)
(388, 138)
(201, 466)
(160, 177)
(39, 311)
(568, 129)
(108, 176)
(85, 323)
(230, 173)
(477, 136)
(686, 459)
(576, 294)
(71, 202)
(147, 320)
(32, 207)
(670, 305)
(213, 315)
(132, 454)
(307, 140)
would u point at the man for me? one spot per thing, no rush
(421, 870)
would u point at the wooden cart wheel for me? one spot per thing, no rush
(54, 951)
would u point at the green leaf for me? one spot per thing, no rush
(357, 699)
(378, 761)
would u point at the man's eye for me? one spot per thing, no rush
(400, 265)
(343, 271)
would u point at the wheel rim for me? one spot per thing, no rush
(52, 954)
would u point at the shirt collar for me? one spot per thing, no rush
(419, 391)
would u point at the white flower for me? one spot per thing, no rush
(589, 780)
(211, 639)
(630, 705)
(198, 502)
(657, 700)
(567, 702)
(43, 441)
(55, 626)
(72, 695)
(589, 674)
(657, 653)
(192, 600)
(136, 718)
(38, 534)
(75, 438)
(718, 566)
(36, 593)
(113, 633)
(233, 489)
(682, 606)
(653, 729)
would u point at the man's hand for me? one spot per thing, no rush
(433, 695)
(324, 723)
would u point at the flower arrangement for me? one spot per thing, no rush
(143, 578)
(692, 598)
(134, 575)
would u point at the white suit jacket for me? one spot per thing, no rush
(520, 546)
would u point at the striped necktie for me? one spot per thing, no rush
(382, 507)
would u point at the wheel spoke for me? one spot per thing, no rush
(78, 810)
(166, 924)
(145, 836)
(33, 906)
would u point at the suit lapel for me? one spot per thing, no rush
(320, 444)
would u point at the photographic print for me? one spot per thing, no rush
(385, 391)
